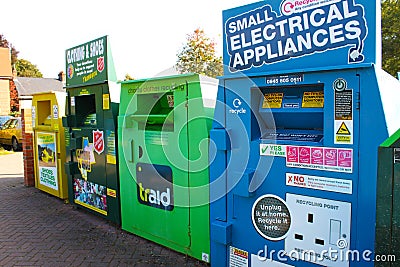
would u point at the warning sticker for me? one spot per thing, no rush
(343, 129)
(313, 100)
(273, 100)
(238, 257)
(343, 125)
(343, 132)
(319, 183)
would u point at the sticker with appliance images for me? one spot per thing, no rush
(320, 158)
(343, 125)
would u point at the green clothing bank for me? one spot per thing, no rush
(90, 129)
(163, 131)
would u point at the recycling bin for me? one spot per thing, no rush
(302, 108)
(48, 141)
(90, 125)
(387, 231)
(163, 130)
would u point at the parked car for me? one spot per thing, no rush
(3, 119)
(11, 134)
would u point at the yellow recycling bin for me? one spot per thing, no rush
(49, 143)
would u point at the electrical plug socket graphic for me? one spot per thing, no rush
(320, 230)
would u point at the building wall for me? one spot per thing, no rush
(4, 96)
(27, 148)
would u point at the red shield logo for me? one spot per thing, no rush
(98, 141)
(100, 64)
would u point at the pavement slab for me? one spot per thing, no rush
(38, 229)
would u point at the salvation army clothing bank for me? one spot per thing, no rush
(307, 104)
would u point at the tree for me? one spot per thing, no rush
(25, 68)
(14, 52)
(128, 77)
(14, 100)
(391, 36)
(198, 56)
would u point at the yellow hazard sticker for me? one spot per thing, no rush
(111, 192)
(313, 100)
(343, 129)
(111, 159)
(273, 100)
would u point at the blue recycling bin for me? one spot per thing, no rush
(303, 107)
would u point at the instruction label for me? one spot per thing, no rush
(238, 257)
(106, 101)
(47, 159)
(313, 100)
(320, 158)
(318, 225)
(272, 150)
(111, 156)
(55, 112)
(299, 137)
(273, 100)
(271, 217)
(319, 183)
(343, 125)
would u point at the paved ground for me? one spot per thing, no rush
(37, 229)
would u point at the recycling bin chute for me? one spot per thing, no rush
(163, 130)
(90, 122)
(49, 153)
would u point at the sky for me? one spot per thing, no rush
(145, 36)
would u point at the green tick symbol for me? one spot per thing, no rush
(264, 149)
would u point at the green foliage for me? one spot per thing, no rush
(198, 56)
(128, 77)
(25, 68)
(391, 36)
(14, 52)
